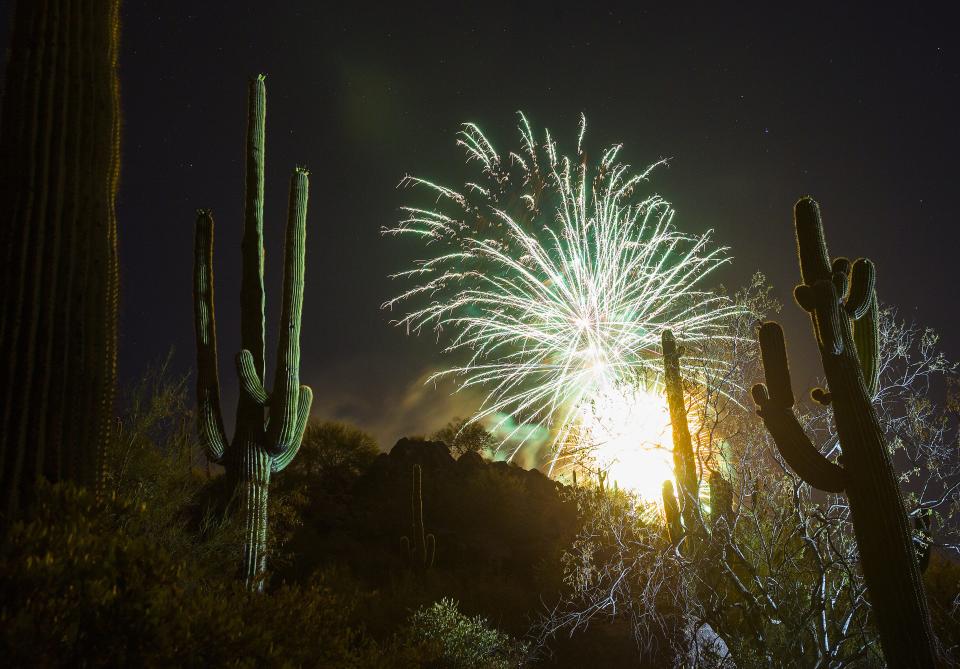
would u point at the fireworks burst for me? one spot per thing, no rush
(558, 279)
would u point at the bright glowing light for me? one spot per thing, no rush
(628, 433)
(556, 281)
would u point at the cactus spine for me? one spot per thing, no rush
(842, 303)
(59, 167)
(420, 548)
(259, 448)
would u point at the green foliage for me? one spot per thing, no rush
(310, 502)
(462, 642)
(153, 461)
(499, 529)
(333, 454)
(463, 436)
(87, 584)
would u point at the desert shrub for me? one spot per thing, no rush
(310, 499)
(154, 460)
(454, 640)
(84, 583)
(332, 455)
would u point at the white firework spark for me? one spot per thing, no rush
(558, 279)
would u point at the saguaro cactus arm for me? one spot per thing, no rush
(252, 297)
(304, 403)
(249, 381)
(866, 339)
(210, 417)
(775, 407)
(282, 432)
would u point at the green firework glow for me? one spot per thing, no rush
(556, 278)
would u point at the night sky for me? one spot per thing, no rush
(755, 107)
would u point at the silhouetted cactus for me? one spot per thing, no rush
(721, 499)
(59, 167)
(671, 511)
(419, 549)
(841, 300)
(684, 462)
(259, 447)
(602, 479)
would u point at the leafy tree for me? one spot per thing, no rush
(463, 436)
(333, 454)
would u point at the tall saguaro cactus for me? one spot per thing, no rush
(59, 169)
(842, 303)
(684, 461)
(259, 447)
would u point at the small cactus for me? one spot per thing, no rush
(420, 548)
(721, 499)
(672, 512)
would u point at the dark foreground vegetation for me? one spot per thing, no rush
(148, 574)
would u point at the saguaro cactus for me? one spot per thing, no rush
(684, 461)
(841, 300)
(259, 447)
(420, 548)
(59, 167)
(671, 512)
(721, 499)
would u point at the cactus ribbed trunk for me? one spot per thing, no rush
(259, 447)
(59, 170)
(253, 488)
(842, 303)
(884, 536)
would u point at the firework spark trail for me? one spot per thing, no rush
(557, 279)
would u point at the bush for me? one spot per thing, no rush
(83, 583)
(457, 641)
